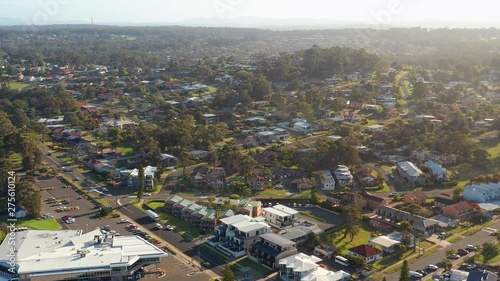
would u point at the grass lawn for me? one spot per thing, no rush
(376, 189)
(179, 225)
(246, 262)
(493, 261)
(40, 224)
(125, 151)
(361, 238)
(305, 193)
(17, 86)
(210, 249)
(272, 192)
(212, 89)
(67, 160)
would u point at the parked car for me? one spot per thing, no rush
(454, 257)
(146, 194)
(159, 226)
(471, 248)
(206, 264)
(70, 221)
(392, 194)
(431, 267)
(415, 274)
(423, 272)
(462, 252)
(471, 266)
(123, 221)
(169, 227)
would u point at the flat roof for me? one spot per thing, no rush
(58, 252)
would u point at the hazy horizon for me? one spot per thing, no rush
(254, 13)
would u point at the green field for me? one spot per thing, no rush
(272, 192)
(40, 224)
(17, 86)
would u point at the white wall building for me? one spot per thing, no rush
(280, 215)
(71, 254)
(306, 268)
(327, 180)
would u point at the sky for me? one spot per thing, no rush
(435, 13)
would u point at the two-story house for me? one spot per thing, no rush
(326, 180)
(343, 176)
(280, 215)
(256, 182)
(482, 193)
(411, 173)
(437, 171)
(270, 249)
(301, 267)
(237, 233)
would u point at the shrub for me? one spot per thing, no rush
(234, 196)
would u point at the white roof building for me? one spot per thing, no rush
(72, 253)
(306, 268)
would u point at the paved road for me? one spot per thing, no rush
(477, 239)
(190, 248)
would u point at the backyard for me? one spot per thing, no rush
(365, 231)
(246, 262)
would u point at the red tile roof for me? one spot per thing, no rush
(365, 251)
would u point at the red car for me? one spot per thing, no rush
(65, 218)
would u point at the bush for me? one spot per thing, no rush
(234, 196)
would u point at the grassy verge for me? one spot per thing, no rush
(179, 225)
(376, 189)
(50, 224)
(17, 86)
(246, 262)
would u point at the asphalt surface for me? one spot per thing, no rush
(188, 247)
(477, 239)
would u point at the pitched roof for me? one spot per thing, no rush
(417, 195)
(460, 207)
(277, 239)
(365, 251)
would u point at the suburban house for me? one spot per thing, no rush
(443, 200)
(256, 182)
(367, 252)
(343, 176)
(301, 183)
(372, 202)
(375, 128)
(417, 197)
(303, 127)
(411, 173)
(208, 221)
(482, 193)
(462, 211)
(251, 208)
(280, 215)
(270, 249)
(130, 178)
(302, 267)
(383, 242)
(327, 182)
(437, 171)
(391, 217)
(425, 155)
(204, 177)
(238, 233)
(188, 210)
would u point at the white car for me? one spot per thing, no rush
(471, 266)
(169, 227)
(147, 194)
(431, 266)
(70, 221)
(471, 248)
(415, 274)
(123, 221)
(159, 226)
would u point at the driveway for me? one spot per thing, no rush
(477, 239)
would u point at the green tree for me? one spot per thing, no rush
(404, 275)
(140, 178)
(489, 250)
(228, 274)
(457, 193)
(315, 198)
